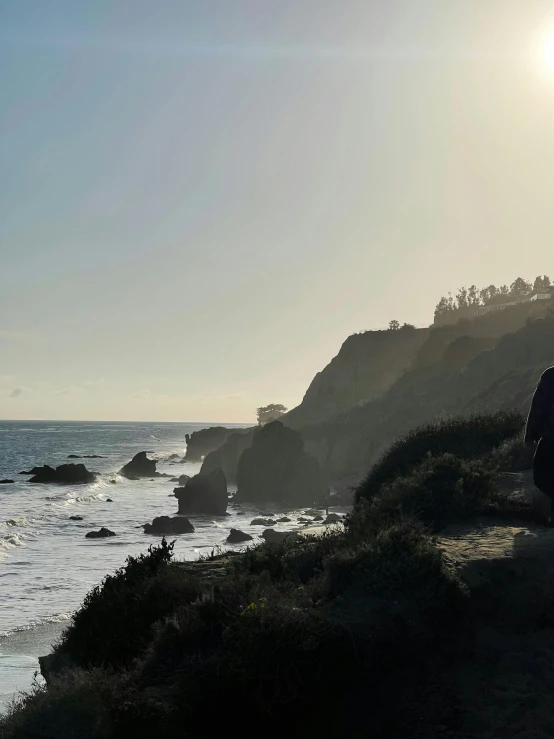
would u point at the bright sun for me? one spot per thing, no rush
(548, 51)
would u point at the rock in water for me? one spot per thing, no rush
(6, 482)
(333, 518)
(264, 522)
(204, 495)
(276, 537)
(169, 525)
(276, 468)
(200, 443)
(227, 456)
(75, 518)
(100, 534)
(140, 466)
(75, 474)
(236, 537)
(183, 479)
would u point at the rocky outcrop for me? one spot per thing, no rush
(228, 455)
(169, 525)
(183, 479)
(276, 468)
(236, 537)
(140, 466)
(6, 482)
(200, 443)
(74, 474)
(85, 456)
(276, 537)
(204, 495)
(75, 518)
(100, 534)
(263, 522)
(365, 367)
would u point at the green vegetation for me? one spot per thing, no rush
(465, 438)
(491, 295)
(319, 635)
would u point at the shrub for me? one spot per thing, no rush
(114, 623)
(72, 707)
(399, 562)
(513, 455)
(466, 438)
(439, 491)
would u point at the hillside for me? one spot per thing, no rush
(500, 377)
(365, 367)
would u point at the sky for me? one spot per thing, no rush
(201, 199)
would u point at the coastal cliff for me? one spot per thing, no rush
(470, 376)
(365, 367)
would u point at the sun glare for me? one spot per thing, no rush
(548, 51)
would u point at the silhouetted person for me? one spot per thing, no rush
(540, 431)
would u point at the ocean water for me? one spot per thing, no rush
(46, 564)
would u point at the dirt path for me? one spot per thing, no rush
(504, 683)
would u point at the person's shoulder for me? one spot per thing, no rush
(548, 376)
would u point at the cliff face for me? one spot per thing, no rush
(201, 443)
(381, 384)
(502, 377)
(365, 367)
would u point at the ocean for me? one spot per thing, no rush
(46, 564)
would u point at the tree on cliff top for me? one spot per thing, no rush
(269, 413)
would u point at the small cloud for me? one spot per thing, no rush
(17, 391)
(142, 394)
(67, 390)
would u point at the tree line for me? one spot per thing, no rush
(491, 295)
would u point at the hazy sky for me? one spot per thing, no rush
(201, 199)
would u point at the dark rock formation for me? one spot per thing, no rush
(85, 456)
(204, 495)
(236, 537)
(140, 466)
(6, 482)
(75, 518)
(228, 455)
(52, 664)
(109, 500)
(284, 519)
(169, 525)
(276, 537)
(100, 534)
(276, 468)
(183, 479)
(333, 518)
(264, 522)
(200, 443)
(74, 474)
